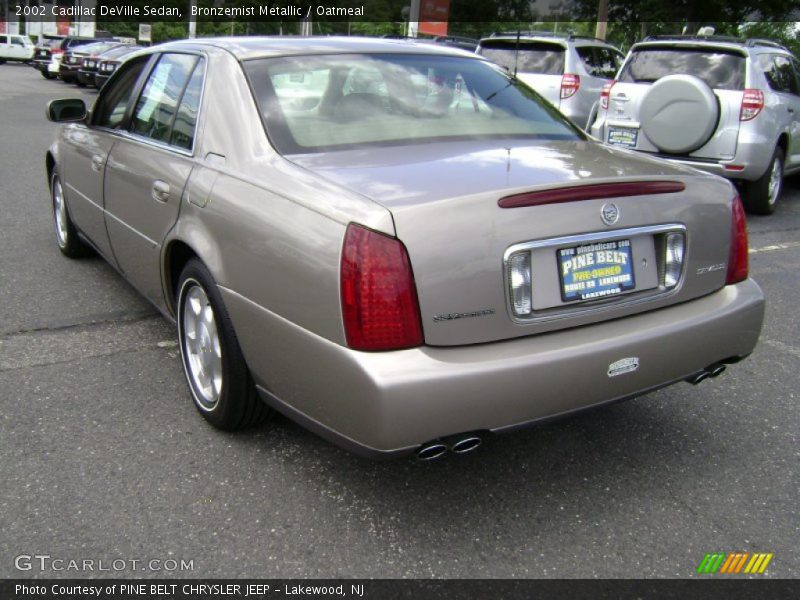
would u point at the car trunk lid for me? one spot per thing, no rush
(444, 199)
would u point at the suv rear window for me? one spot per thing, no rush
(534, 57)
(721, 70)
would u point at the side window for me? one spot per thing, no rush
(796, 64)
(186, 120)
(158, 105)
(779, 73)
(3, 39)
(599, 62)
(116, 95)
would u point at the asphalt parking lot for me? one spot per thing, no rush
(105, 458)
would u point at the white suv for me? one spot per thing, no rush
(723, 105)
(15, 48)
(568, 70)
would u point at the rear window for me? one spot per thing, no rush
(530, 57)
(321, 103)
(721, 70)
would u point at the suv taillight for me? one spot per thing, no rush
(56, 51)
(752, 103)
(605, 94)
(569, 85)
(379, 297)
(737, 256)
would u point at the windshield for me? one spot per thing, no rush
(721, 70)
(316, 103)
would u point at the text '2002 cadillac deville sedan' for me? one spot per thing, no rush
(397, 245)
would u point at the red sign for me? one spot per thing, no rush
(433, 16)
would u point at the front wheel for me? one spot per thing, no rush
(66, 235)
(218, 378)
(761, 196)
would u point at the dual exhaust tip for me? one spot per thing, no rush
(712, 371)
(457, 444)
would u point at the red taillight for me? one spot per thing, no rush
(752, 103)
(57, 51)
(379, 296)
(569, 85)
(605, 94)
(737, 257)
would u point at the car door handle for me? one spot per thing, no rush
(97, 162)
(160, 191)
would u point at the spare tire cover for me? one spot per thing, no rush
(679, 113)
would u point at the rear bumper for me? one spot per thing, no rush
(48, 66)
(754, 150)
(383, 404)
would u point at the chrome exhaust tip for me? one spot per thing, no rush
(431, 451)
(699, 377)
(465, 444)
(716, 370)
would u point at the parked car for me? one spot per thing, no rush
(568, 70)
(400, 270)
(108, 62)
(90, 64)
(15, 48)
(72, 62)
(47, 59)
(724, 105)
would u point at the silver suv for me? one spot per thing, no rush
(568, 70)
(724, 105)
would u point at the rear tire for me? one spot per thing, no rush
(219, 380)
(67, 238)
(761, 196)
(47, 75)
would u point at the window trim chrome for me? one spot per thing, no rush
(568, 311)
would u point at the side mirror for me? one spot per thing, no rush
(65, 111)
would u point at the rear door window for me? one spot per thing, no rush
(186, 119)
(720, 69)
(779, 72)
(599, 61)
(157, 107)
(542, 58)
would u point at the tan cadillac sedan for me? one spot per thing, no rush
(397, 245)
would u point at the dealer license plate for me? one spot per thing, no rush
(596, 270)
(623, 136)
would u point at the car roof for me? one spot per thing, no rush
(245, 48)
